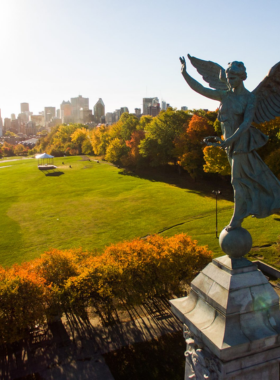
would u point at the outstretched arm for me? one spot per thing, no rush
(197, 87)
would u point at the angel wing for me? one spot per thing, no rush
(268, 96)
(210, 72)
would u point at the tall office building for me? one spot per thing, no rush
(109, 118)
(117, 115)
(138, 112)
(7, 125)
(13, 116)
(38, 120)
(99, 110)
(78, 104)
(123, 110)
(24, 107)
(154, 108)
(184, 108)
(58, 113)
(147, 102)
(49, 113)
(66, 112)
(163, 105)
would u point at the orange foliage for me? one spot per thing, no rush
(69, 280)
(198, 129)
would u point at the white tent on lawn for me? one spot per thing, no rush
(45, 161)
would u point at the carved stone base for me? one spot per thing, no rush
(232, 323)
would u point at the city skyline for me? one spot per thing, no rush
(55, 49)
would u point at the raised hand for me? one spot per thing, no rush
(184, 65)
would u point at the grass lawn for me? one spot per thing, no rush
(92, 205)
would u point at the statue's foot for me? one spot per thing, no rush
(233, 225)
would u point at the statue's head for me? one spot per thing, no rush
(236, 73)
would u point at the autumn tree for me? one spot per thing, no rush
(216, 161)
(20, 149)
(188, 146)
(158, 144)
(100, 140)
(79, 136)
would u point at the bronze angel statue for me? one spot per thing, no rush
(256, 189)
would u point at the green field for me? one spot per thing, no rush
(92, 205)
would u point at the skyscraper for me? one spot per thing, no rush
(147, 102)
(123, 110)
(66, 112)
(154, 107)
(78, 104)
(99, 110)
(49, 113)
(24, 107)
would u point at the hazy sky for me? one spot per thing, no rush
(124, 50)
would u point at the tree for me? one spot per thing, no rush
(188, 147)
(100, 140)
(134, 157)
(158, 144)
(79, 137)
(116, 150)
(7, 149)
(20, 149)
(216, 161)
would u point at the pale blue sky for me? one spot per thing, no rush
(124, 50)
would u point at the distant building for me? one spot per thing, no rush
(15, 126)
(39, 120)
(23, 118)
(117, 115)
(7, 125)
(99, 110)
(58, 113)
(154, 108)
(24, 107)
(109, 118)
(163, 105)
(66, 112)
(123, 110)
(147, 102)
(138, 111)
(55, 121)
(49, 113)
(184, 108)
(85, 115)
(13, 116)
(78, 104)
(30, 128)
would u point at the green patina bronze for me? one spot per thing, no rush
(256, 189)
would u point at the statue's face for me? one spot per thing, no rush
(234, 80)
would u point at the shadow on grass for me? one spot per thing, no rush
(202, 186)
(54, 174)
(80, 338)
(158, 359)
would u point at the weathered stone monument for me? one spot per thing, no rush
(231, 316)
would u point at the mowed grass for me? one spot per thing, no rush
(92, 205)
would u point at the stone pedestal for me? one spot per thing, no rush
(232, 323)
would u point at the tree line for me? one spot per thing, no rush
(70, 281)
(173, 136)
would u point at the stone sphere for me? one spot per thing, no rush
(235, 243)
